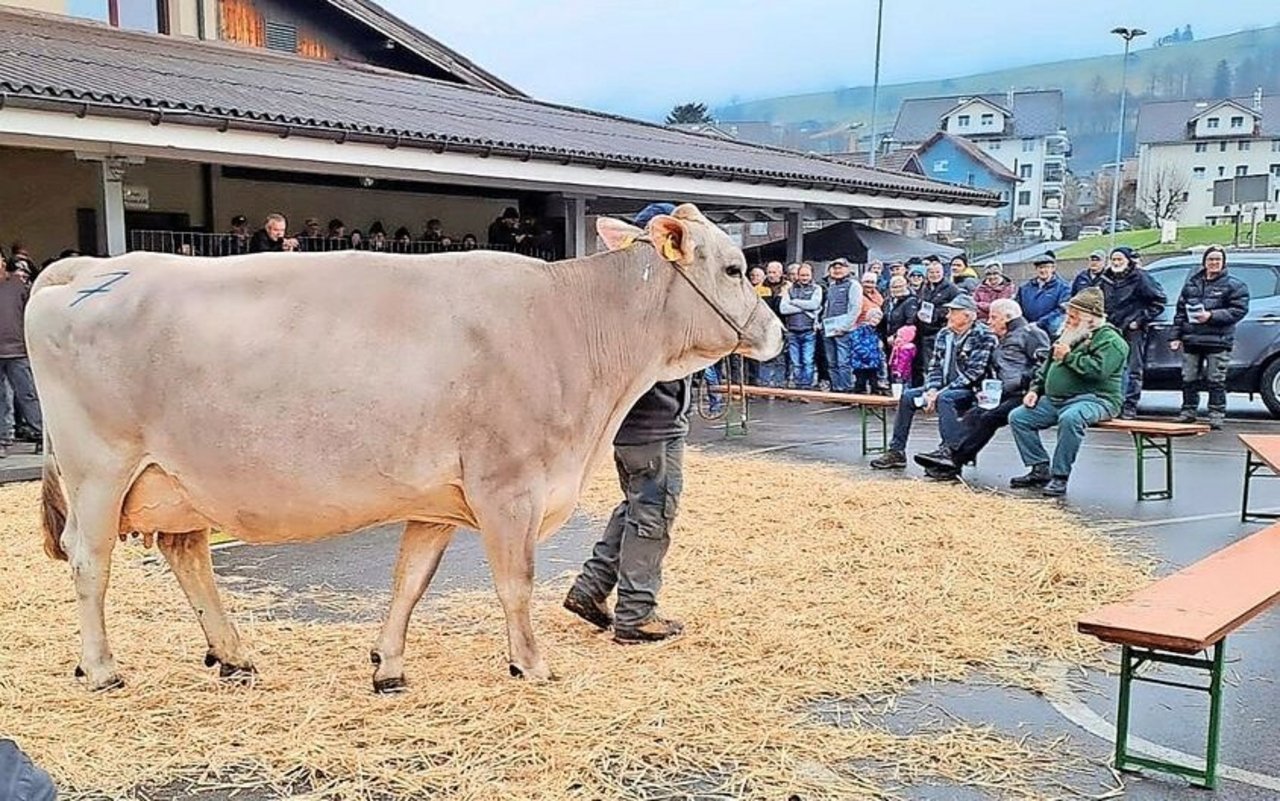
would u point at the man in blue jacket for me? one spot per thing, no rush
(1091, 275)
(1042, 298)
(1204, 329)
(1133, 300)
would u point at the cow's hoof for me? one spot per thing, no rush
(238, 674)
(542, 674)
(210, 660)
(390, 685)
(79, 672)
(112, 682)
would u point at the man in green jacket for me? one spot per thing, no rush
(1079, 386)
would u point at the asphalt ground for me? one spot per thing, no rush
(1202, 518)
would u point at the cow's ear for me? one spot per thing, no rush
(671, 239)
(615, 233)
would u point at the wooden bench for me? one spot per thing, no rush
(1153, 439)
(1179, 617)
(1261, 451)
(870, 407)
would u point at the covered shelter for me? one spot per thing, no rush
(857, 242)
(142, 131)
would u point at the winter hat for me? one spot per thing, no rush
(1127, 252)
(1213, 249)
(1088, 301)
(994, 268)
(1100, 255)
(907, 333)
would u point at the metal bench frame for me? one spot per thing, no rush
(1150, 447)
(1252, 467)
(1132, 658)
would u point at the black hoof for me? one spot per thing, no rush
(237, 674)
(114, 684)
(394, 684)
(210, 660)
(516, 672)
(375, 657)
(79, 672)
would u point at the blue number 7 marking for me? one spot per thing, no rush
(100, 289)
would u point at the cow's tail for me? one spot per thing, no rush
(55, 504)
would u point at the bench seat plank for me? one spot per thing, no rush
(1155, 428)
(846, 398)
(1199, 605)
(1266, 447)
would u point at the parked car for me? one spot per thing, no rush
(1121, 225)
(1040, 230)
(1087, 231)
(1255, 360)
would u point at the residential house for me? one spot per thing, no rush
(1023, 131)
(958, 160)
(1184, 146)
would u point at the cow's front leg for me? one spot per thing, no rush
(189, 559)
(509, 545)
(421, 547)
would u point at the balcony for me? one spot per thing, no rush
(1057, 146)
(1051, 203)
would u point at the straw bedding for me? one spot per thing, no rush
(798, 583)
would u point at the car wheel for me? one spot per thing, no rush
(1270, 388)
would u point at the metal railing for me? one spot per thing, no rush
(198, 243)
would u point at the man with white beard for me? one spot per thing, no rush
(1080, 385)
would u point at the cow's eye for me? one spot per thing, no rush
(733, 271)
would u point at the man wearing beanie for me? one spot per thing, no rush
(1078, 386)
(1133, 300)
(1091, 275)
(1204, 329)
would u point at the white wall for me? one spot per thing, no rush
(358, 208)
(1182, 157)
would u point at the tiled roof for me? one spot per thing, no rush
(974, 152)
(1166, 121)
(46, 59)
(1034, 114)
(893, 161)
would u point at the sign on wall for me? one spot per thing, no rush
(137, 198)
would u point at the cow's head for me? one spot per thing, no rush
(729, 315)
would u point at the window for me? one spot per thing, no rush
(1222, 171)
(1171, 281)
(758, 229)
(940, 165)
(1260, 278)
(1275, 145)
(1198, 172)
(1242, 170)
(1212, 122)
(1243, 144)
(1024, 198)
(988, 120)
(1202, 147)
(1275, 170)
(1028, 145)
(1186, 196)
(996, 146)
(963, 120)
(138, 15)
(1237, 122)
(1024, 171)
(1222, 147)
(969, 179)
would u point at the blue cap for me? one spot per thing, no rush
(652, 210)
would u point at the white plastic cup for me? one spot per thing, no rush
(896, 390)
(992, 390)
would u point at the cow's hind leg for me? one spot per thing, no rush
(421, 547)
(509, 541)
(189, 559)
(89, 537)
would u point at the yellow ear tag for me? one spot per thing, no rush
(628, 242)
(669, 251)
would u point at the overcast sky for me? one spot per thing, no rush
(640, 58)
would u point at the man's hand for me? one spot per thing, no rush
(1203, 317)
(930, 400)
(1030, 399)
(1133, 326)
(290, 244)
(1174, 344)
(1060, 350)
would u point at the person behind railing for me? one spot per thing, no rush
(469, 242)
(310, 238)
(270, 237)
(404, 241)
(435, 236)
(357, 239)
(377, 237)
(237, 240)
(336, 238)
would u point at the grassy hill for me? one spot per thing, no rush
(1090, 88)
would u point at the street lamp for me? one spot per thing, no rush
(1128, 34)
(875, 86)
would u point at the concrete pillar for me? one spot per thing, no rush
(575, 227)
(795, 236)
(113, 171)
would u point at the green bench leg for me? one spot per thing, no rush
(1152, 447)
(1131, 658)
(881, 415)
(1252, 467)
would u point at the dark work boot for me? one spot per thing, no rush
(943, 473)
(593, 611)
(891, 460)
(1216, 419)
(1186, 416)
(654, 629)
(1037, 477)
(1129, 413)
(941, 459)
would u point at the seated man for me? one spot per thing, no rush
(961, 356)
(1079, 385)
(1022, 346)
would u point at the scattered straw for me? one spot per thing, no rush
(798, 583)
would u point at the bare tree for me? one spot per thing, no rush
(1164, 194)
